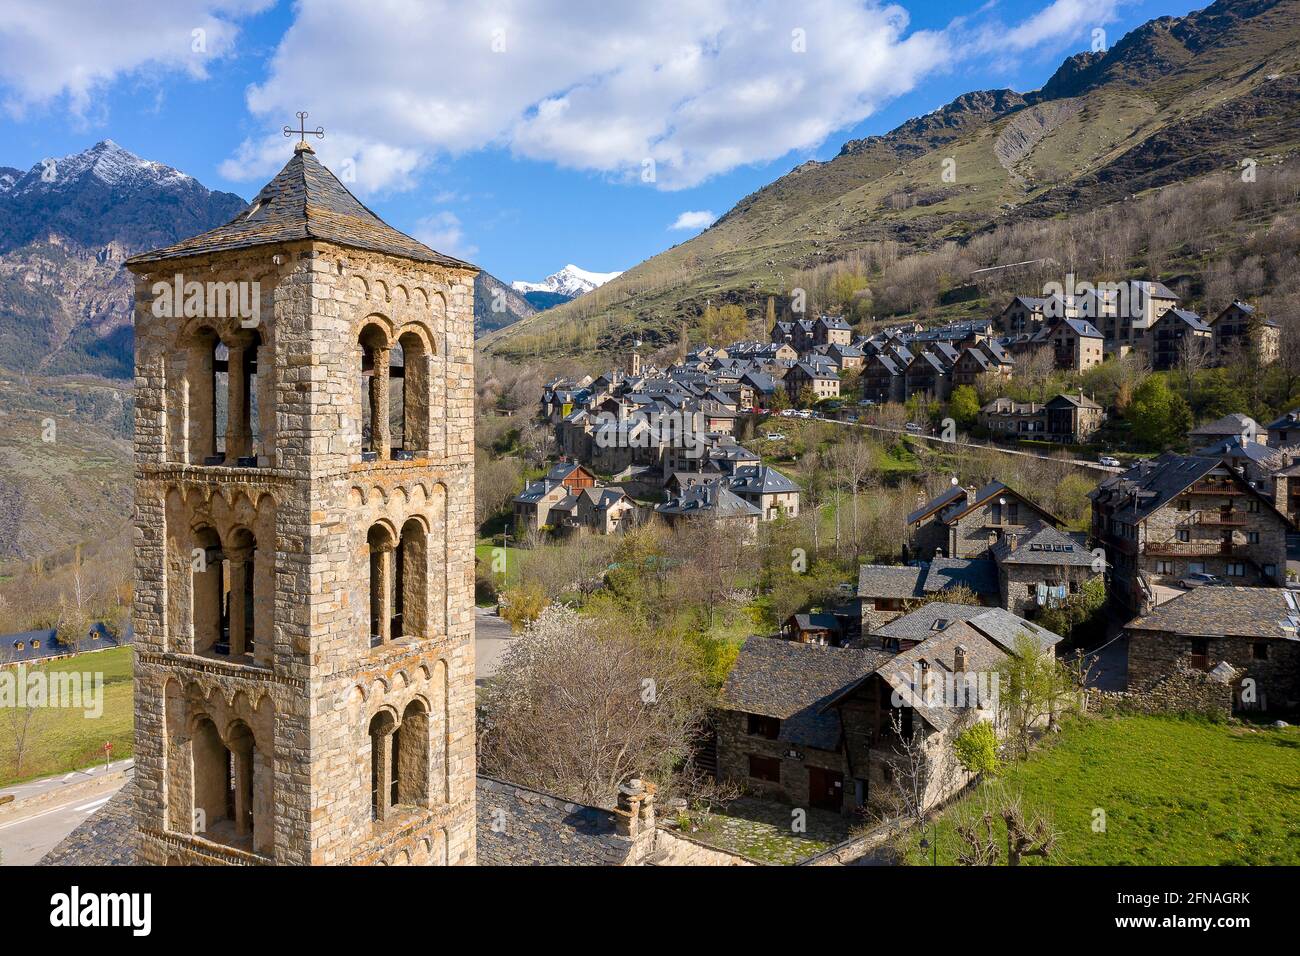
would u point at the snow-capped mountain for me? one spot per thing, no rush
(569, 282)
(106, 162)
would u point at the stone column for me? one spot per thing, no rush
(243, 787)
(238, 437)
(383, 744)
(379, 436)
(383, 607)
(241, 560)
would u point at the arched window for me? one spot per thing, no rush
(374, 347)
(411, 746)
(383, 776)
(412, 590)
(242, 427)
(209, 590)
(240, 572)
(383, 586)
(220, 403)
(223, 783)
(412, 440)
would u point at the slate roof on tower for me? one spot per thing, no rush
(304, 201)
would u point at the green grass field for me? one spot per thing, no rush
(1174, 792)
(63, 739)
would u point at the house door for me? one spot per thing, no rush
(826, 789)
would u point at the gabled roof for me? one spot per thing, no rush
(1041, 544)
(946, 498)
(792, 681)
(978, 574)
(760, 480)
(889, 581)
(708, 498)
(304, 201)
(1233, 424)
(1225, 611)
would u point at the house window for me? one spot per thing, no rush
(1184, 504)
(1200, 653)
(1259, 650)
(1252, 537)
(1164, 567)
(1236, 569)
(1184, 535)
(765, 768)
(1252, 506)
(761, 726)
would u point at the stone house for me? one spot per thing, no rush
(1076, 344)
(1284, 431)
(884, 378)
(930, 373)
(533, 506)
(821, 380)
(1007, 417)
(1040, 567)
(711, 501)
(771, 492)
(1174, 332)
(814, 726)
(832, 330)
(1181, 514)
(601, 510)
(813, 628)
(1073, 418)
(1239, 327)
(967, 522)
(886, 592)
(1254, 630)
(1230, 428)
(977, 362)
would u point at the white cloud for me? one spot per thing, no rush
(443, 231)
(1062, 21)
(694, 219)
(71, 49)
(697, 86)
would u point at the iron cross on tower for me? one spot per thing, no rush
(303, 131)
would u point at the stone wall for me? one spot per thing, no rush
(1155, 655)
(673, 848)
(735, 745)
(1184, 691)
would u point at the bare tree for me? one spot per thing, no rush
(1024, 833)
(579, 705)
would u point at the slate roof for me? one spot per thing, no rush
(709, 497)
(999, 625)
(978, 574)
(919, 624)
(1290, 420)
(304, 201)
(1150, 485)
(1227, 426)
(1073, 398)
(1225, 611)
(537, 829)
(27, 646)
(792, 681)
(940, 501)
(760, 479)
(889, 581)
(904, 672)
(1041, 544)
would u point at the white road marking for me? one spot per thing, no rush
(92, 806)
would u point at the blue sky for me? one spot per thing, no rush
(518, 134)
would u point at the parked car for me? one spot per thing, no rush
(1109, 462)
(775, 436)
(789, 413)
(914, 428)
(1199, 579)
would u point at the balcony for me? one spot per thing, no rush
(1191, 549)
(1214, 488)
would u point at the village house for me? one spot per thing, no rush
(712, 501)
(1076, 344)
(762, 486)
(884, 376)
(1239, 328)
(817, 726)
(1253, 630)
(1176, 333)
(1007, 417)
(570, 497)
(930, 373)
(988, 359)
(966, 522)
(1073, 418)
(820, 380)
(1284, 431)
(1186, 514)
(1042, 567)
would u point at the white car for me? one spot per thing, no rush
(775, 436)
(1109, 462)
(913, 427)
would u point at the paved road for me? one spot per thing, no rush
(1079, 462)
(24, 840)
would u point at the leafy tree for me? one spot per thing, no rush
(1159, 416)
(521, 605)
(1034, 689)
(977, 748)
(964, 406)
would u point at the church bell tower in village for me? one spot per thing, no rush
(304, 539)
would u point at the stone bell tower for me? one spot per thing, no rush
(304, 539)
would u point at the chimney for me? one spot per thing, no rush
(634, 819)
(959, 658)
